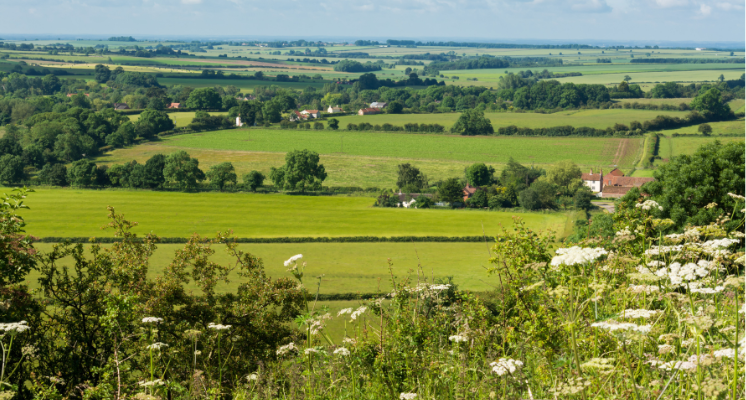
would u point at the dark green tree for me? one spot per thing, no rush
(479, 199)
(101, 73)
(153, 122)
(705, 129)
(479, 174)
(333, 124)
(395, 107)
(301, 172)
(410, 178)
(711, 104)
(582, 198)
(183, 170)
(451, 191)
(472, 122)
(204, 98)
(53, 174)
(688, 183)
(540, 195)
(11, 169)
(423, 201)
(82, 173)
(153, 171)
(254, 180)
(222, 174)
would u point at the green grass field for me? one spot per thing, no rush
(180, 118)
(70, 212)
(735, 127)
(495, 149)
(351, 267)
(675, 146)
(599, 119)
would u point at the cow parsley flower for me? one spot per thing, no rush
(252, 377)
(639, 313)
(737, 197)
(350, 341)
(218, 327)
(311, 350)
(152, 320)
(624, 232)
(643, 289)
(407, 396)
(649, 205)
(282, 350)
(344, 311)
(157, 346)
(293, 259)
(612, 326)
(680, 365)
(458, 338)
(157, 382)
(358, 312)
(14, 327)
(577, 255)
(506, 366)
(342, 352)
(440, 287)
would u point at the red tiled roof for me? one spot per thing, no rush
(591, 177)
(616, 172)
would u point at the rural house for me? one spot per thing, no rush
(469, 191)
(174, 105)
(593, 181)
(296, 116)
(377, 104)
(121, 106)
(368, 111)
(312, 113)
(334, 110)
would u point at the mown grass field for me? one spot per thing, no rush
(79, 213)
(350, 267)
(735, 127)
(599, 119)
(675, 146)
(180, 118)
(492, 149)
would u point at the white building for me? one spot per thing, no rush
(594, 181)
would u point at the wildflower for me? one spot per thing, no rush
(358, 312)
(649, 205)
(506, 366)
(730, 353)
(349, 341)
(311, 350)
(665, 349)
(624, 232)
(157, 346)
(344, 311)
(640, 313)
(218, 327)
(737, 197)
(612, 326)
(407, 396)
(293, 259)
(680, 365)
(157, 382)
(573, 386)
(342, 352)
(600, 364)
(711, 205)
(643, 289)
(577, 255)
(458, 338)
(152, 320)
(14, 327)
(197, 352)
(716, 289)
(286, 349)
(532, 286)
(252, 377)
(440, 287)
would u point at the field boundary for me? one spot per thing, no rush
(340, 239)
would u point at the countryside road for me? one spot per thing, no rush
(608, 206)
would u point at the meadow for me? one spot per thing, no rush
(489, 149)
(180, 119)
(734, 127)
(79, 213)
(600, 119)
(676, 146)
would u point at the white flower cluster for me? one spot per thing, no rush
(716, 289)
(157, 346)
(458, 338)
(152, 320)
(311, 350)
(157, 382)
(342, 352)
(658, 250)
(293, 259)
(286, 349)
(577, 255)
(649, 205)
(349, 341)
(407, 396)
(612, 326)
(737, 197)
(640, 313)
(506, 366)
(624, 232)
(218, 327)
(14, 327)
(680, 365)
(643, 289)
(717, 245)
(358, 312)
(319, 323)
(252, 377)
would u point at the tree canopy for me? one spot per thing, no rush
(183, 170)
(302, 171)
(473, 122)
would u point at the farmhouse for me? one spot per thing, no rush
(297, 116)
(377, 104)
(368, 111)
(612, 185)
(174, 105)
(334, 110)
(469, 191)
(121, 106)
(312, 113)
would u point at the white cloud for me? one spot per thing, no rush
(729, 6)
(191, 1)
(671, 3)
(593, 6)
(704, 9)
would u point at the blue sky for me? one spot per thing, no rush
(563, 20)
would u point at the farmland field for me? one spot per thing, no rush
(180, 118)
(600, 119)
(351, 267)
(492, 149)
(735, 127)
(176, 214)
(675, 146)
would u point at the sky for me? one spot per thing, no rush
(555, 20)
